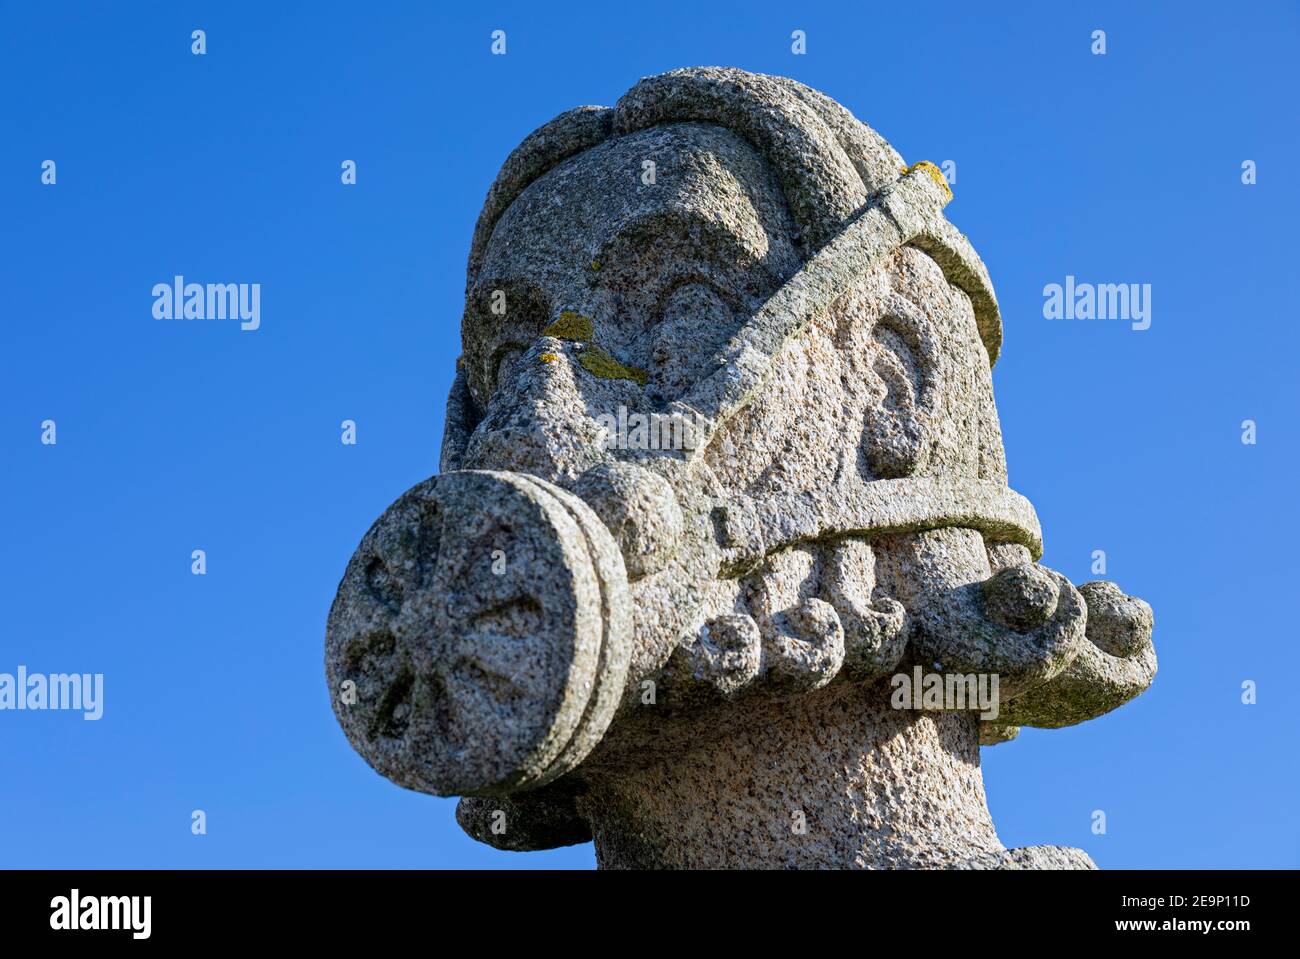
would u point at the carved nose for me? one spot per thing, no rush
(484, 625)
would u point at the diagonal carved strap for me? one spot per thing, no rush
(909, 210)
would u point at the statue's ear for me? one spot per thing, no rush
(463, 416)
(897, 428)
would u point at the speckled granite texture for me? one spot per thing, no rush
(692, 651)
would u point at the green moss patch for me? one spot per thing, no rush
(570, 326)
(599, 363)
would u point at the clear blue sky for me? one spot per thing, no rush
(171, 436)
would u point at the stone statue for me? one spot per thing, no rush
(722, 475)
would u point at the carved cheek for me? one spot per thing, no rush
(898, 423)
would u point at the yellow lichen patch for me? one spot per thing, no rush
(570, 326)
(935, 174)
(595, 264)
(548, 357)
(599, 363)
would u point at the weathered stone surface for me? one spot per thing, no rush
(694, 651)
(544, 818)
(480, 601)
(1117, 663)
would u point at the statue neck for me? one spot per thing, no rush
(833, 779)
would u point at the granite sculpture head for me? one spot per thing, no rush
(722, 439)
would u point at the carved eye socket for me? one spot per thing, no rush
(696, 303)
(501, 316)
(695, 322)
